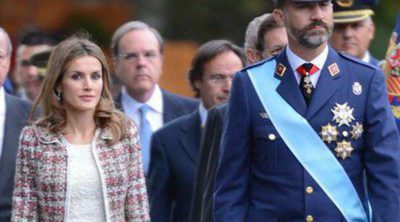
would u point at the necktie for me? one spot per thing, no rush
(306, 87)
(145, 135)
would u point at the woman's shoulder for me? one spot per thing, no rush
(40, 133)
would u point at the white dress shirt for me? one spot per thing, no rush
(295, 61)
(203, 114)
(2, 116)
(154, 115)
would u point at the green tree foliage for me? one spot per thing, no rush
(203, 20)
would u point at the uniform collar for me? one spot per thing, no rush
(295, 61)
(367, 57)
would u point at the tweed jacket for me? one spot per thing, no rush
(40, 192)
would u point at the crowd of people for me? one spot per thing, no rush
(294, 126)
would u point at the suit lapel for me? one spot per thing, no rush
(13, 125)
(191, 136)
(327, 84)
(118, 102)
(288, 88)
(170, 109)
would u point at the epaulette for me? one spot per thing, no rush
(356, 60)
(259, 63)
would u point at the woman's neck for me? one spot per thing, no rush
(80, 128)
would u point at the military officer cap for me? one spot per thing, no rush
(345, 11)
(40, 60)
(279, 2)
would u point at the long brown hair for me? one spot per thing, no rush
(53, 115)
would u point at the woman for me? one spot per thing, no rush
(80, 161)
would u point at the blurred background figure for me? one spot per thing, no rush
(271, 40)
(13, 117)
(175, 147)
(138, 59)
(354, 28)
(250, 39)
(27, 74)
(92, 170)
(264, 38)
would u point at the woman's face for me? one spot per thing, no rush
(82, 84)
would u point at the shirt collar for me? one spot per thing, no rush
(295, 61)
(155, 102)
(2, 101)
(366, 57)
(203, 114)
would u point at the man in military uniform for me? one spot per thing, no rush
(354, 28)
(303, 131)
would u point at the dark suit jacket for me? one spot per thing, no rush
(17, 112)
(202, 201)
(174, 153)
(174, 105)
(258, 177)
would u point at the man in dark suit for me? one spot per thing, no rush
(175, 147)
(354, 28)
(304, 128)
(13, 117)
(267, 42)
(138, 51)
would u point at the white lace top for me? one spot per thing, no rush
(86, 201)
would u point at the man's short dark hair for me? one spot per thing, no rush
(207, 52)
(267, 25)
(38, 38)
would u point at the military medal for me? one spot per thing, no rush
(357, 88)
(329, 133)
(343, 149)
(307, 85)
(343, 114)
(357, 131)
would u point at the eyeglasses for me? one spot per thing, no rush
(220, 80)
(269, 52)
(133, 57)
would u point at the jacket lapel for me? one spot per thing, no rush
(327, 84)
(118, 102)
(288, 87)
(13, 124)
(191, 134)
(171, 109)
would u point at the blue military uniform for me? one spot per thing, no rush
(259, 179)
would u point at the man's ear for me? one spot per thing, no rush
(372, 30)
(279, 16)
(251, 56)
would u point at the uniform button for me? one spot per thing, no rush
(309, 218)
(271, 137)
(309, 190)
